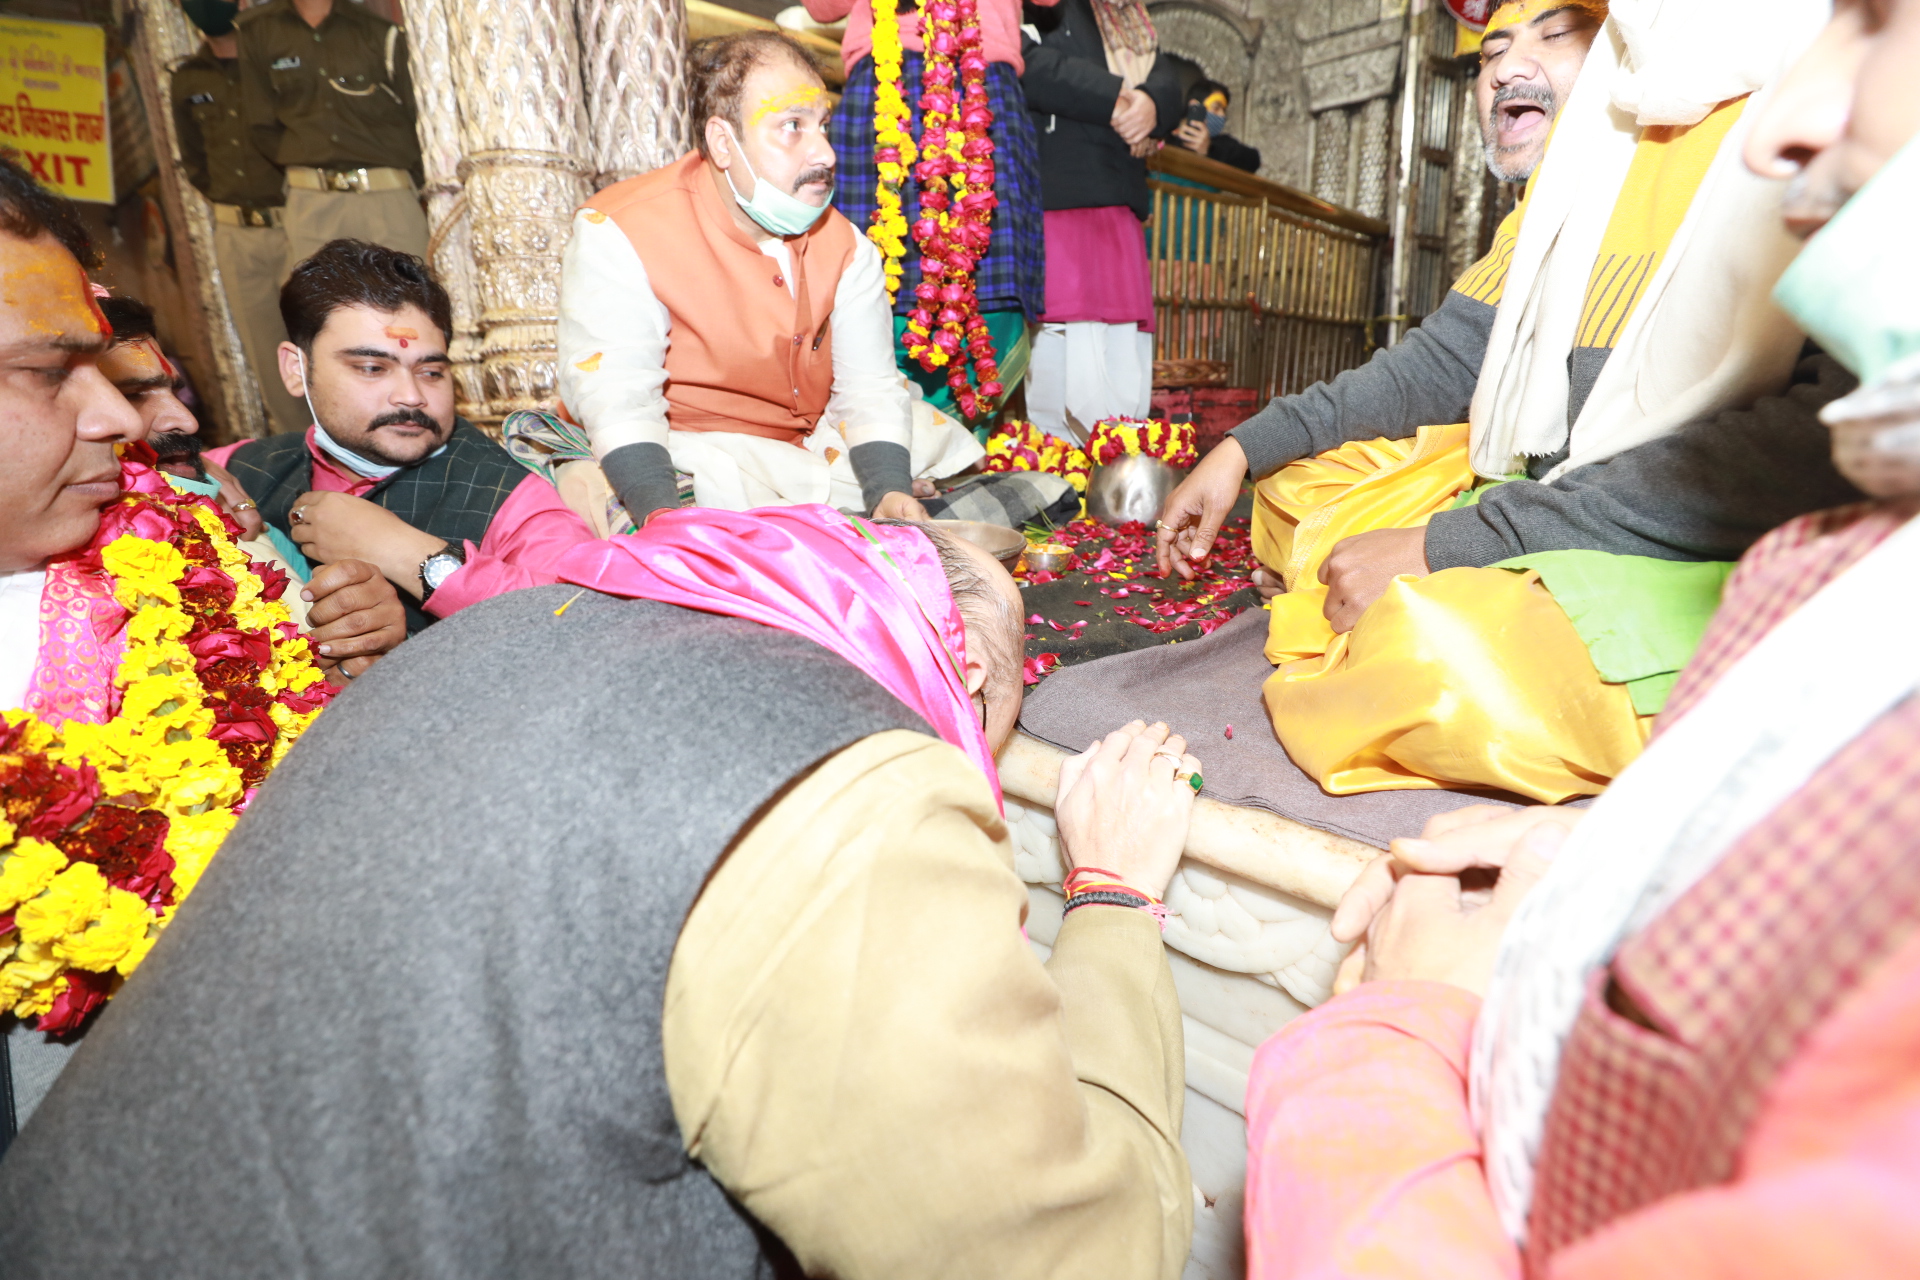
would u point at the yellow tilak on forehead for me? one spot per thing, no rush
(812, 95)
(1515, 12)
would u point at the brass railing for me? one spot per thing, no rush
(1277, 285)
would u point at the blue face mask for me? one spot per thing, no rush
(776, 210)
(1854, 287)
(1216, 123)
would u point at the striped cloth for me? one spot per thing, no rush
(1013, 275)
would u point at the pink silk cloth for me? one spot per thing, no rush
(83, 629)
(82, 635)
(874, 594)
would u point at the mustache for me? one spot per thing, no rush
(170, 445)
(819, 173)
(1539, 95)
(412, 417)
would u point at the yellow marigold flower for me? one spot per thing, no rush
(101, 947)
(142, 567)
(138, 948)
(37, 736)
(29, 868)
(200, 785)
(33, 998)
(76, 898)
(193, 840)
(149, 625)
(161, 696)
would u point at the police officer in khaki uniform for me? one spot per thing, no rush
(247, 194)
(326, 94)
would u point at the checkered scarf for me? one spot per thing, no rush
(1769, 723)
(1012, 276)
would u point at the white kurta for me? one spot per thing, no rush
(19, 633)
(608, 308)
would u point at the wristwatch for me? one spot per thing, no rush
(437, 568)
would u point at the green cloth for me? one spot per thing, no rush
(1641, 618)
(1007, 329)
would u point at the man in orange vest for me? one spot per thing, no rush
(719, 320)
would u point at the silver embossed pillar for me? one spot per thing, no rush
(165, 38)
(517, 89)
(633, 61)
(450, 241)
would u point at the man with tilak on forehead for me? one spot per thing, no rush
(1503, 538)
(719, 319)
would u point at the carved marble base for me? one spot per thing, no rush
(1249, 950)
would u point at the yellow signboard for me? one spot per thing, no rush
(53, 105)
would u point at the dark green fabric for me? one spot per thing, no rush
(1011, 349)
(1641, 618)
(215, 149)
(323, 96)
(453, 495)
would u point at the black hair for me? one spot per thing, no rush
(131, 318)
(29, 210)
(1201, 90)
(356, 273)
(718, 67)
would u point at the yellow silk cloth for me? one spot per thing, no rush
(1468, 677)
(1302, 510)
(1463, 678)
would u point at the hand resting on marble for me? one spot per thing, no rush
(1124, 807)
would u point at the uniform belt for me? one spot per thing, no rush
(239, 215)
(360, 180)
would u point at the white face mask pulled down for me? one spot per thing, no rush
(333, 448)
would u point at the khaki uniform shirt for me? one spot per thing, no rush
(889, 1078)
(323, 96)
(219, 156)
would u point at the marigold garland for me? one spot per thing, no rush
(957, 200)
(1021, 446)
(105, 828)
(1171, 442)
(894, 150)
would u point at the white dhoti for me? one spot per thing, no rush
(739, 472)
(1085, 371)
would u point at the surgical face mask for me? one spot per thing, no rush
(1216, 123)
(776, 210)
(1855, 288)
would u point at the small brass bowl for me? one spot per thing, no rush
(997, 540)
(1048, 557)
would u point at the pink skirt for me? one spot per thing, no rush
(1097, 268)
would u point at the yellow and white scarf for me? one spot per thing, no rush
(1702, 333)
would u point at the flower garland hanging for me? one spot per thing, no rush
(957, 201)
(105, 828)
(1115, 438)
(1021, 446)
(894, 150)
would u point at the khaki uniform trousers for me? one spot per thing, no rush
(391, 218)
(253, 264)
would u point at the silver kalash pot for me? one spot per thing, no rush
(1134, 488)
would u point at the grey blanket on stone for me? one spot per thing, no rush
(1199, 688)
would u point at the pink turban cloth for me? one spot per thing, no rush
(874, 594)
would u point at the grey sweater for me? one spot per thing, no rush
(1705, 492)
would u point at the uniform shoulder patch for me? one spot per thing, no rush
(285, 64)
(200, 99)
